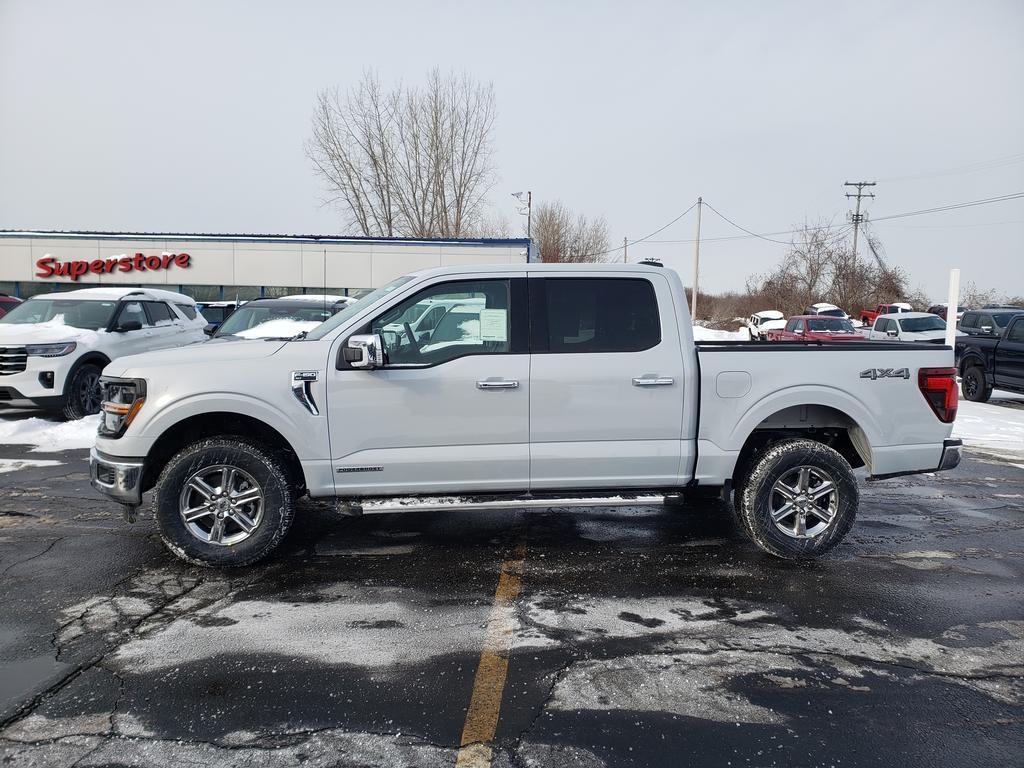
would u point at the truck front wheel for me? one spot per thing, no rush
(798, 500)
(223, 501)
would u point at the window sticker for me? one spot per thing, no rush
(494, 325)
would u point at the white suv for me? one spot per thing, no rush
(53, 346)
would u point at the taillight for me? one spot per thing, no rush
(938, 385)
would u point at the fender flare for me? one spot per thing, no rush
(89, 358)
(804, 394)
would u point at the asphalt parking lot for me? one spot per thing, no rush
(636, 635)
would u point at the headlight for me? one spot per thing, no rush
(50, 350)
(122, 399)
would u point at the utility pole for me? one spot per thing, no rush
(529, 209)
(856, 218)
(696, 264)
(624, 259)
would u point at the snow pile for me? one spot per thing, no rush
(283, 328)
(992, 427)
(49, 436)
(13, 465)
(700, 333)
(53, 330)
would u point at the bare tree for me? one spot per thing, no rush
(407, 161)
(561, 236)
(820, 266)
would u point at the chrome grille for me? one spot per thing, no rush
(12, 360)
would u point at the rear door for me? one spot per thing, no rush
(167, 326)
(606, 382)
(1009, 357)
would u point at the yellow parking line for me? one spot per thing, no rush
(489, 683)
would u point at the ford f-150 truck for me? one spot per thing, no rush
(988, 361)
(540, 382)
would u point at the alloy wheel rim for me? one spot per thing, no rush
(221, 505)
(804, 502)
(89, 394)
(971, 383)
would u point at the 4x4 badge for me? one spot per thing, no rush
(885, 373)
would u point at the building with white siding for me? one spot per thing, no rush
(212, 267)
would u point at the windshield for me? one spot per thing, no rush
(832, 313)
(215, 314)
(830, 325)
(919, 324)
(356, 307)
(1002, 318)
(270, 321)
(76, 313)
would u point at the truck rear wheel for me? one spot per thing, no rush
(974, 386)
(798, 500)
(224, 502)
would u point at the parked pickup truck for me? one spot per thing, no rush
(816, 328)
(557, 379)
(867, 316)
(993, 360)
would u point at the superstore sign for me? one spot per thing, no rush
(140, 262)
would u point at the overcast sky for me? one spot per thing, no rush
(191, 116)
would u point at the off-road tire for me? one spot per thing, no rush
(77, 404)
(754, 498)
(265, 468)
(974, 385)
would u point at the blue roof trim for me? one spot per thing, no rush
(255, 238)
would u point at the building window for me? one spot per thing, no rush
(241, 292)
(276, 291)
(201, 292)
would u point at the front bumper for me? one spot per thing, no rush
(952, 452)
(118, 478)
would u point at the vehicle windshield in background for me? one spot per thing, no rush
(356, 307)
(215, 314)
(270, 322)
(88, 315)
(1003, 318)
(919, 324)
(832, 313)
(830, 325)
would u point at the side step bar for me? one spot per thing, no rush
(435, 503)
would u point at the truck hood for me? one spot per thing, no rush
(201, 353)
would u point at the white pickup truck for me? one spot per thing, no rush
(554, 380)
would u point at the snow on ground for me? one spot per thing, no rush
(700, 333)
(12, 465)
(48, 436)
(995, 427)
(273, 329)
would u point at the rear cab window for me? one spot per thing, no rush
(601, 314)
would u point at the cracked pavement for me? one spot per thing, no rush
(643, 635)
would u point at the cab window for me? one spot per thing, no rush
(469, 318)
(132, 310)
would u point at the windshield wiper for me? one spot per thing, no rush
(299, 335)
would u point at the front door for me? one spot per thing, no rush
(449, 409)
(1009, 357)
(606, 383)
(133, 342)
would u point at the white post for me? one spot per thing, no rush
(952, 304)
(696, 267)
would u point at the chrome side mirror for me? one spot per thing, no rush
(986, 329)
(364, 350)
(892, 332)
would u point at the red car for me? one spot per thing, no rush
(7, 303)
(816, 328)
(868, 316)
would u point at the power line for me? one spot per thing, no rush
(642, 239)
(742, 229)
(952, 207)
(981, 165)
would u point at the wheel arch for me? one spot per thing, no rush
(89, 358)
(823, 423)
(219, 423)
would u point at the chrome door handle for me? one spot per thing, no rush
(646, 382)
(497, 384)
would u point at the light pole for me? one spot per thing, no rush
(528, 212)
